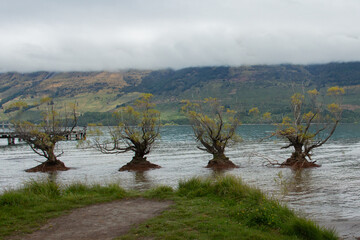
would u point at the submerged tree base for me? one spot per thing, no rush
(298, 163)
(49, 167)
(221, 163)
(139, 164)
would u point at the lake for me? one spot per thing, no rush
(329, 194)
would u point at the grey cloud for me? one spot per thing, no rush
(111, 35)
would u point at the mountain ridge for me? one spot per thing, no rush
(266, 86)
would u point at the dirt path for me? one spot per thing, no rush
(101, 221)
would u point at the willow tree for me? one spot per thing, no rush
(214, 128)
(136, 130)
(306, 131)
(43, 137)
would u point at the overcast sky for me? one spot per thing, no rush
(83, 35)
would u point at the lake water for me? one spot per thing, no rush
(329, 194)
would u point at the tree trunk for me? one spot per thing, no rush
(298, 159)
(51, 164)
(220, 161)
(220, 157)
(138, 158)
(51, 157)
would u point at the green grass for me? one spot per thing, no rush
(222, 208)
(225, 208)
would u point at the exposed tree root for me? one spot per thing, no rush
(298, 164)
(219, 164)
(49, 167)
(139, 165)
(294, 163)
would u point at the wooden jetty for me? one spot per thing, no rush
(10, 137)
(77, 134)
(6, 132)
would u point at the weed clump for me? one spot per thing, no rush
(161, 192)
(46, 189)
(228, 187)
(13, 199)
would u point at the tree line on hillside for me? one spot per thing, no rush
(177, 82)
(214, 126)
(319, 75)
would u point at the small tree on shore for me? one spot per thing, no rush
(306, 131)
(137, 130)
(214, 128)
(43, 137)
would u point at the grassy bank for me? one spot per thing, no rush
(204, 209)
(26, 209)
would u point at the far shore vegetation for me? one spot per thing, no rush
(204, 208)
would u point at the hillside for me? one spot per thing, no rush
(267, 87)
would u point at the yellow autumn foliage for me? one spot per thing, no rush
(254, 111)
(266, 116)
(334, 108)
(335, 91)
(313, 92)
(297, 99)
